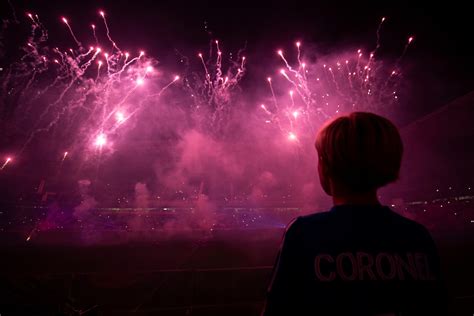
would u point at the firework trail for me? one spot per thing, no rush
(321, 90)
(71, 31)
(7, 161)
(77, 93)
(212, 91)
(88, 100)
(102, 14)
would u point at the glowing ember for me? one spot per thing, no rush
(100, 140)
(120, 117)
(7, 160)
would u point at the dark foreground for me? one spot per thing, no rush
(220, 273)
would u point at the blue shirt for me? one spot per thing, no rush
(356, 260)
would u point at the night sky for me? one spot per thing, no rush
(437, 68)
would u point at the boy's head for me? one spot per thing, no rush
(358, 153)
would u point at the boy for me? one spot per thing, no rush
(360, 258)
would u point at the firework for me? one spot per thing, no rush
(95, 98)
(7, 161)
(100, 140)
(292, 136)
(327, 87)
(78, 89)
(120, 117)
(212, 91)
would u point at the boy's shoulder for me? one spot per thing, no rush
(310, 220)
(331, 217)
(315, 218)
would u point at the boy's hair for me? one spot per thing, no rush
(361, 151)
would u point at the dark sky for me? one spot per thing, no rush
(438, 66)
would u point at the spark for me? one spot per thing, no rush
(120, 117)
(264, 108)
(30, 235)
(355, 82)
(71, 31)
(100, 140)
(71, 89)
(269, 79)
(7, 161)
(409, 41)
(176, 78)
